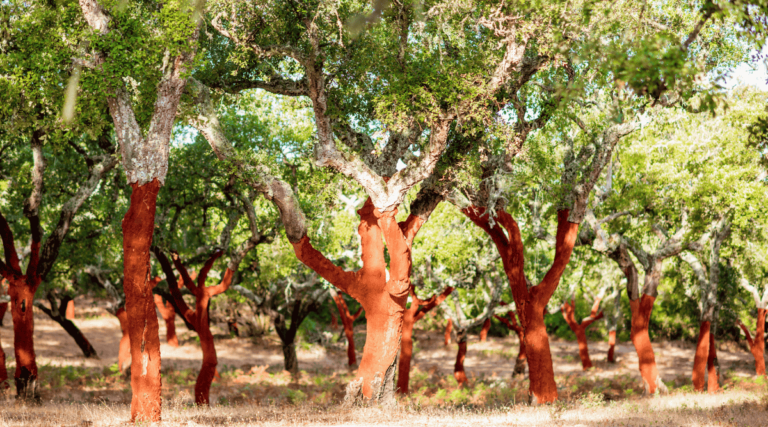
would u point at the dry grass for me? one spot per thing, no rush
(261, 398)
(731, 408)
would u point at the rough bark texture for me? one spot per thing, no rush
(348, 321)
(417, 310)
(169, 316)
(138, 227)
(757, 344)
(484, 331)
(530, 303)
(580, 329)
(383, 300)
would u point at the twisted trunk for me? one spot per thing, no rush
(383, 300)
(143, 329)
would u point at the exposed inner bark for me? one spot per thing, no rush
(641, 316)
(70, 314)
(448, 330)
(169, 316)
(704, 370)
(580, 329)
(383, 300)
(348, 321)
(199, 316)
(484, 331)
(138, 227)
(757, 344)
(461, 354)
(611, 346)
(3, 309)
(124, 352)
(417, 310)
(522, 359)
(530, 303)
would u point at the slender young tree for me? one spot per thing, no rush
(348, 323)
(288, 303)
(513, 325)
(756, 343)
(580, 328)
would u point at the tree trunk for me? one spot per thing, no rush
(704, 370)
(580, 329)
(540, 371)
(348, 321)
(611, 347)
(124, 352)
(291, 360)
(448, 329)
(406, 349)
(22, 296)
(382, 299)
(757, 346)
(208, 369)
(70, 314)
(458, 367)
(522, 358)
(484, 330)
(3, 309)
(641, 316)
(169, 316)
(138, 227)
(3, 371)
(72, 330)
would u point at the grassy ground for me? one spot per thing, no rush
(100, 397)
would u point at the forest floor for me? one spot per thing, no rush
(254, 389)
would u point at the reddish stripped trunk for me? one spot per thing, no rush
(448, 329)
(485, 329)
(3, 371)
(641, 316)
(348, 321)
(383, 300)
(522, 358)
(138, 227)
(3, 309)
(25, 376)
(580, 329)
(169, 316)
(531, 303)
(458, 367)
(70, 312)
(414, 313)
(124, 351)
(757, 344)
(704, 370)
(611, 347)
